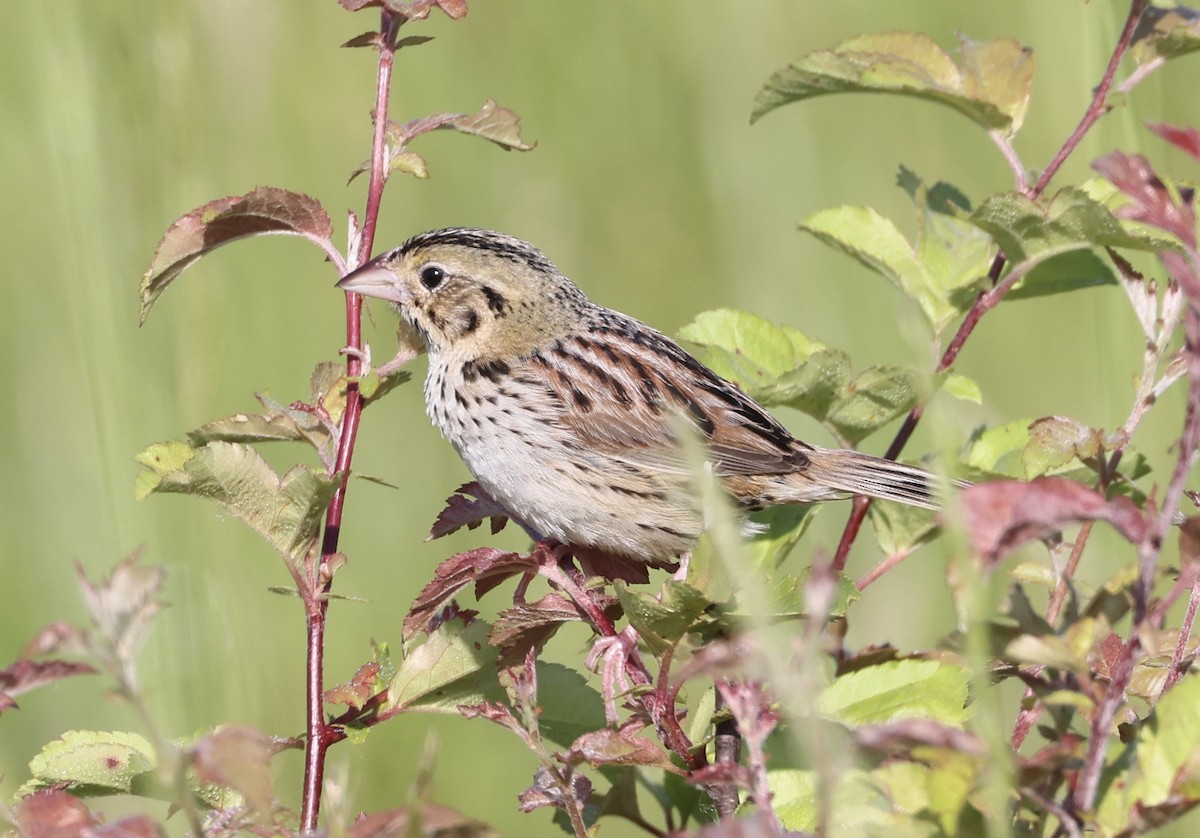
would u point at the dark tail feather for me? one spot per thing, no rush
(862, 474)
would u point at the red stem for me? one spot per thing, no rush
(320, 734)
(987, 299)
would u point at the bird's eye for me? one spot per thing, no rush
(432, 276)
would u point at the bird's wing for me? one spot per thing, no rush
(623, 389)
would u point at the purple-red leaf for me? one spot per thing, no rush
(1183, 138)
(461, 511)
(414, 10)
(51, 814)
(1152, 202)
(359, 689)
(485, 566)
(56, 637)
(616, 747)
(25, 675)
(264, 211)
(904, 735)
(545, 791)
(529, 625)
(1003, 514)
(237, 757)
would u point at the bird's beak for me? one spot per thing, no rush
(375, 279)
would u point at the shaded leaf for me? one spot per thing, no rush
(991, 87)
(1071, 271)
(452, 665)
(264, 211)
(899, 528)
(285, 511)
(661, 621)
(529, 625)
(875, 397)
(898, 690)
(546, 791)
(494, 123)
(568, 706)
(1002, 515)
(484, 566)
(238, 758)
(468, 507)
(1166, 32)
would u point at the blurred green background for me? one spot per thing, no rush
(648, 187)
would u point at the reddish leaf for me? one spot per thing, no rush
(485, 566)
(414, 10)
(237, 757)
(493, 712)
(138, 826)
(25, 675)
(461, 512)
(615, 747)
(608, 566)
(528, 626)
(1152, 202)
(1004, 514)
(58, 636)
(433, 820)
(264, 211)
(723, 774)
(546, 792)
(1186, 139)
(52, 814)
(902, 736)
(356, 692)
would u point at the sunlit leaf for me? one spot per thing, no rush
(897, 690)
(875, 397)
(991, 87)
(286, 511)
(94, 760)
(452, 665)
(662, 620)
(492, 122)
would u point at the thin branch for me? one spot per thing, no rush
(1096, 109)
(321, 735)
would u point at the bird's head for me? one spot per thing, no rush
(473, 291)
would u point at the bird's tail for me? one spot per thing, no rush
(849, 472)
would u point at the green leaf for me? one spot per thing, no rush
(1030, 232)
(1059, 441)
(991, 87)
(1163, 762)
(900, 528)
(454, 665)
(935, 784)
(875, 397)
(963, 388)
(1166, 33)
(286, 511)
(897, 690)
(949, 258)
(767, 361)
(492, 122)
(569, 707)
(855, 802)
(94, 762)
(1069, 271)
(776, 532)
(662, 622)
(999, 450)
(264, 211)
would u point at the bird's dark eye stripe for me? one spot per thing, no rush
(432, 276)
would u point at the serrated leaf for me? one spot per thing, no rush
(661, 623)
(875, 397)
(286, 511)
(1072, 271)
(766, 360)
(484, 566)
(25, 675)
(897, 690)
(1030, 232)
(452, 665)
(991, 87)
(94, 760)
(492, 122)
(264, 211)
